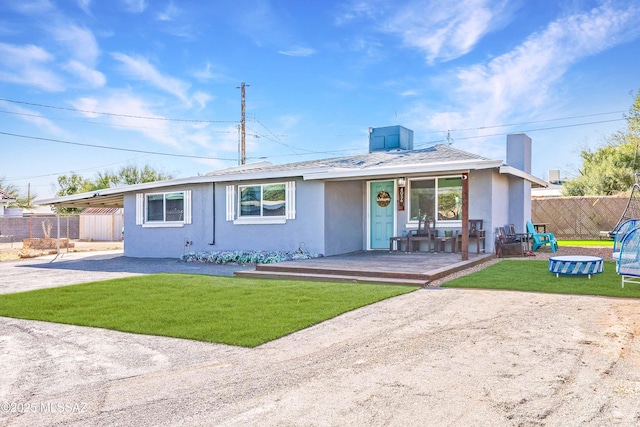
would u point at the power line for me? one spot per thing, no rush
(277, 140)
(117, 115)
(532, 122)
(74, 170)
(157, 153)
(92, 122)
(529, 130)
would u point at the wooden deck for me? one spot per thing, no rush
(398, 268)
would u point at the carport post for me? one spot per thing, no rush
(465, 217)
(58, 233)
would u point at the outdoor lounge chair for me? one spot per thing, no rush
(620, 234)
(525, 238)
(541, 239)
(423, 233)
(476, 231)
(628, 263)
(507, 245)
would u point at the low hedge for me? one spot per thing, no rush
(246, 257)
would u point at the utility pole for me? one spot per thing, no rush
(242, 150)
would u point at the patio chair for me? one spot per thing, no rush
(541, 239)
(525, 238)
(620, 234)
(508, 245)
(476, 231)
(424, 233)
(628, 263)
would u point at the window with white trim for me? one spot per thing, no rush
(264, 200)
(169, 208)
(261, 203)
(439, 198)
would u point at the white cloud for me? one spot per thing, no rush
(360, 9)
(85, 5)
(87, 105)
(93, 77)
(134, 6)
(29, 65)
(202, 98)
(298, 51)
(169, 14)
(524, 81)
(79, 41)
(201, 139)
(211, 72)
(372, 50)
(225, 139)
(289, 121)
(410, 92)
(125, 104)
(36, 118)
(32, 6)
(446, 30)
(260, 23)
(525, 77)
(141, 69)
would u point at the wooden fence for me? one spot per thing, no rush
(578, 217)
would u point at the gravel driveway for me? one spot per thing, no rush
(431, 357)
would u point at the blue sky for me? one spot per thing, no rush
(319, 74)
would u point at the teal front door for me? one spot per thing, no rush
(381, 214)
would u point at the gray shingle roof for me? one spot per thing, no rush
(435, 154)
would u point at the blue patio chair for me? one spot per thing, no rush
(541, 239)
(628, 263)
(620, 234)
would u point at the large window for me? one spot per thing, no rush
(422, 198)
(436, 195)
(165, 207)
(450, 199)
(263, 200)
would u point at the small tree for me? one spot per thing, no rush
(130, 174)
(73, 184)
(611, 168)
(127, 175)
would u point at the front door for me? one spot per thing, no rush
(381, 213)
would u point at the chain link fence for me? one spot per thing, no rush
(582, 218)
(40, 227)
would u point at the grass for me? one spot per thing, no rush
(534, 276)
(235, 311)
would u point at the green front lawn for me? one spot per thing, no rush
(244, 312)
(531, 275)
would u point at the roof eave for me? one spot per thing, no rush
(113, 197)
(402, 170)
(510, 170)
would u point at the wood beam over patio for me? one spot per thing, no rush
(465, 217)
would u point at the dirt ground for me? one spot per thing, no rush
(14, 251)
(432, 357)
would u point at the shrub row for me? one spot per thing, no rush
(245, 257)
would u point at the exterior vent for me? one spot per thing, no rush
(390, 138)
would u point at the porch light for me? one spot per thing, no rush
(402, 182)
